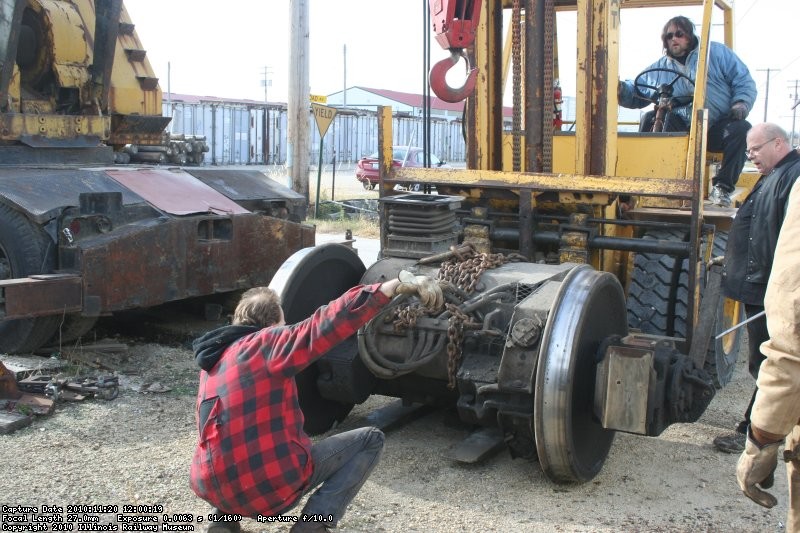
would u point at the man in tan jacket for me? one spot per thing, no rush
(776, 411)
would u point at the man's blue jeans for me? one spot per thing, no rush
(342, 463)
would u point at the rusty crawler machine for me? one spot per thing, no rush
(81, 237)
(581, 295)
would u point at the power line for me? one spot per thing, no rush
(746, 12)
(766, 95)
(790, 63)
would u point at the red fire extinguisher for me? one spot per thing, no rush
(557, 101)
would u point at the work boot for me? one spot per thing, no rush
(719, 196)
(223, 527)
(731, 443)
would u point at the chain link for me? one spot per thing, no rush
(406, 317)
(463, 270)
(455, 338)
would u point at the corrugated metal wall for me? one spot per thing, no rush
(238, 135)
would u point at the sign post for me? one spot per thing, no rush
(323, 115)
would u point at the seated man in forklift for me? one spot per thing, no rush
(731, 93)
(253, 458)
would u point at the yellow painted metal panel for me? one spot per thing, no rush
(66, 23)
(13, 126)
(127, 95)
(638, 154)
(652, 155)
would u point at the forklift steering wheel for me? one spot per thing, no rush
(677, 101)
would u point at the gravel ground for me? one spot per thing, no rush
(136, 450)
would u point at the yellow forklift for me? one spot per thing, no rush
(583, 294)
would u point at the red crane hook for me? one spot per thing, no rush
(439, 83)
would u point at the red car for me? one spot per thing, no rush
(403, 156)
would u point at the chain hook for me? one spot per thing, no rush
(439, 82)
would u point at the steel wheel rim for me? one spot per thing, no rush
(570, 443)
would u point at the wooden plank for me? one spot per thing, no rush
(36, 403)
(23, 366)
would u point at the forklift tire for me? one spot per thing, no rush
(658, 303)
(722, 353)
(24, 250)
(654, 288)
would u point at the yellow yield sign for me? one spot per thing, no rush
(324, 116)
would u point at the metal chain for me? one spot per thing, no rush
(516, 66)
(406, 317)
(455, 337)
(464, 271)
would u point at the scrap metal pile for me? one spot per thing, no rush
(178, 149)
(26, 393)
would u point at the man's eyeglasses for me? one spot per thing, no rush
(679, 34)
(757, 148)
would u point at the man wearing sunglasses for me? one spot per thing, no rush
(730, 95)
(751, 246)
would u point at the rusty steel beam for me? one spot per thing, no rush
(40, 295)
(667, 188)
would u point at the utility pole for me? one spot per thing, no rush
(344, 83)
(265, 131)
(169, 94)
(766, 94)
(266, 82)
(795, 101)
(299, 138)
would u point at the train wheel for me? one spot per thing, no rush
(658, 302)
(310, 278)
(570, 442)
(24, 250)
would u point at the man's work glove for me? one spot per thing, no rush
(739, 111)
(757, 467)
(425, 288)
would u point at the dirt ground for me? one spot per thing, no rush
(135, 450)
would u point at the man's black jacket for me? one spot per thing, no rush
(754, 235)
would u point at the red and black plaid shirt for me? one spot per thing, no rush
(253, 456)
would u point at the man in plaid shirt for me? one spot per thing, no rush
(253, 457)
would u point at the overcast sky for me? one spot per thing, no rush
(221, 48)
